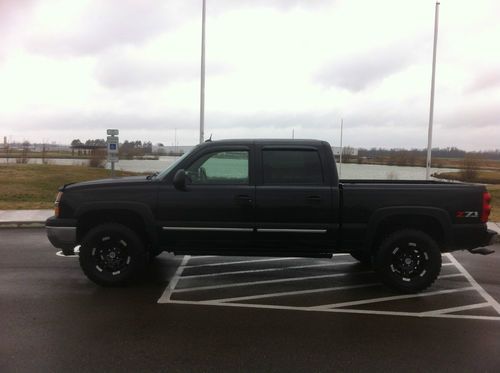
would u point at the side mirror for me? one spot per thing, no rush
(180, 180)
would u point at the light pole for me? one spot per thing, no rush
(431, 111)
(202, 87)
(341, 149)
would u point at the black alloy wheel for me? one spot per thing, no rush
(112, 254)
(408, 261)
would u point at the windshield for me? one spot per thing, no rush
(165, 172)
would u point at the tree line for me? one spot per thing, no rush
(449, 152)
(127, 149)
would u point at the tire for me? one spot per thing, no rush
(408, 261)
(362, 257)
(112, 254)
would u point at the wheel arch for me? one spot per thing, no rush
(135, 216)
(433, 221)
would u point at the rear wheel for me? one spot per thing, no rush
(408, 261)
(112, 254)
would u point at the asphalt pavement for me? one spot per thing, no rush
(242, 314)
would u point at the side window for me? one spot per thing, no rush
(297, 167)
(224, 167)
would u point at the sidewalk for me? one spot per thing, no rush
(36, 218)
(24, 218)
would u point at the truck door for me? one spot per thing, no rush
(216, 210)
(296, 205)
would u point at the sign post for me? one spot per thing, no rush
(113, 149)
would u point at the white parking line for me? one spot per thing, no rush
(451, 275)
(395, 297)
(250, 283)
(456, 309)
(334, 310)
(268, 269)
(474, 283)
(203, 256)
(240, 262)
(165, 297)
(297, 292)
(341, 307)
(310, 291)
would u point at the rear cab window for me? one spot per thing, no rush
(292, 167)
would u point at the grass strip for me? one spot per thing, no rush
(34, 186)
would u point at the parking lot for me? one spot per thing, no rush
(242, 314)
(323, 285)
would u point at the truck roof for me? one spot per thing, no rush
(267, 142)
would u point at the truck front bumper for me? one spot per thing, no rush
(61, 232)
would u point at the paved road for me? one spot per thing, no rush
(54, 319)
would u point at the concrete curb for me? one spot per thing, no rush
(22, 224)
(24, 218)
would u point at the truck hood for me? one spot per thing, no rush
(108, 182)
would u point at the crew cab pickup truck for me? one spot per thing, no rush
(268, 198)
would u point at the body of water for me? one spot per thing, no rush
(348, 171)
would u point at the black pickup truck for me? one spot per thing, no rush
(268, 198)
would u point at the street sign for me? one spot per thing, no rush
(113, 132)
(113, 158)
(113, 146)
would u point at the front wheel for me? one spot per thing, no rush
(112, 254)
(408, 261)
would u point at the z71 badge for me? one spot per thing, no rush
(467, 214)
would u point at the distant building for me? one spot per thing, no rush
(166, 150)
(50, 148)
(346, 150)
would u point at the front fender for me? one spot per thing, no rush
(142, 210)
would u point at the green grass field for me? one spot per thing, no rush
(25, 186)
(495, 202)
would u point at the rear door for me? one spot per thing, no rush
(295, 208)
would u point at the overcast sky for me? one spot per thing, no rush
(72, 68)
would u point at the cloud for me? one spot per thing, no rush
(86, 28)
(130, 70)
(226, 5)
(357, 72)
(486, 80)
(478, 114)
(132, 73)
(90, 27)
(14, 14)
(74, 68)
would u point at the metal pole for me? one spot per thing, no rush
(341, 149)
(112, 170)
(202, 88)
(431, 111)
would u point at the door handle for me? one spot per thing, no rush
(244, 199)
